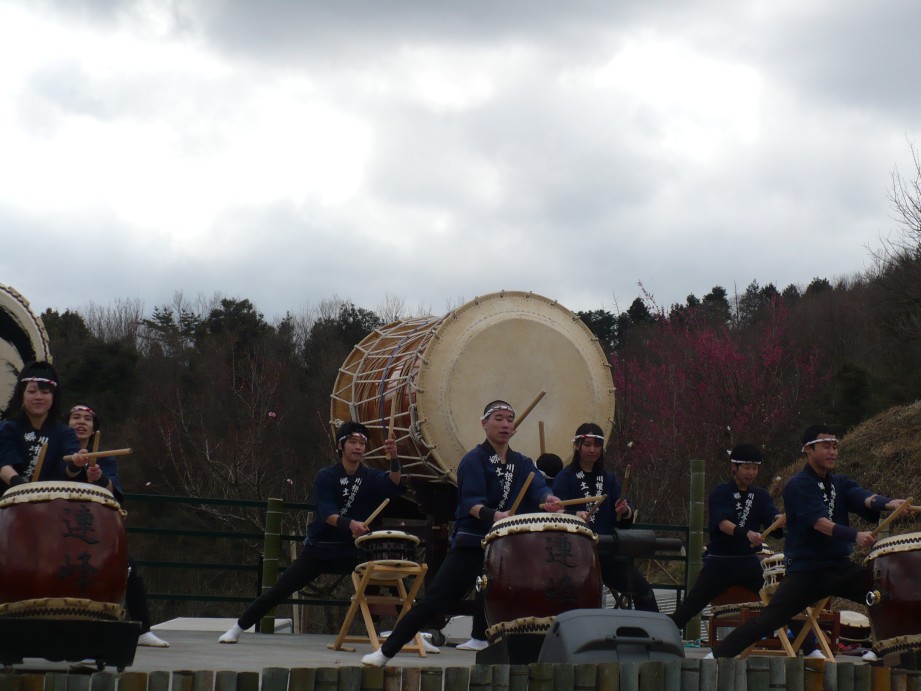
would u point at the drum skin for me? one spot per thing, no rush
(538, 566)
(61, 547)
(433, 375)
(894, 564)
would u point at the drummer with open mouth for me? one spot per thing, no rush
(345, 493)
(489, 479)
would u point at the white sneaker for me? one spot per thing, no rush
(375, 659)
(816, 655)
(151, 640)
(869, 656)
(709, 656)
(474, 644)
(429, 647)
(232, 635)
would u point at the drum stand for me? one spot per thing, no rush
(815, 616)
(383, 574)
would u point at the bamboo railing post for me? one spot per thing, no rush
(696, 527)
(271, 550)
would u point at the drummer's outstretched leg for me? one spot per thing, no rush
(477, 640)
(302, 571)
(455, 577)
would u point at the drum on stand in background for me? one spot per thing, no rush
(62, 552)
(894, 598)
(390, 547)
(435, 374)
(774, 568)
(22, 339)
(538, 565)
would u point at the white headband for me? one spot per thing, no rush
(587, 436)
(41, 380)
(734, 460)
(499, 406)
(819, 441)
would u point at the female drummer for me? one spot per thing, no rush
(33, 442)
(346, 494)
(104, 472)
(489, 478)
(585, 476)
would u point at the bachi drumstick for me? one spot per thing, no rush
(100, 454)
(580, 500)
(527, 411)
(904, 506)
(377, 511)
(524, 490)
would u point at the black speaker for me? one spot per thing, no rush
(611, 635)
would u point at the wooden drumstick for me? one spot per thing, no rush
(100, 454)
(377, 511)
(771, 528)
(524, 490)
(393, 414)
(592, 511)
(36, 475)
(540, 434)
(580, 500)
(623, 487)
(96, 435)
(527, 411)
(902, 508)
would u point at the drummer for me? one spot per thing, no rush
(489, 479)
(585, 476)
(819, 540)
(345, 493)
(738, 511)
(104, 473)
(31, 422)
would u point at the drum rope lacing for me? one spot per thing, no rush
(525, 625)
(896, 543)
(899, 644)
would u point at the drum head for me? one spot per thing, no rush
(22, 339)
(512, 346)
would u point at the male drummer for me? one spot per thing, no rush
(489, 479)
(738, 512)
(345, 493)
(819, 540)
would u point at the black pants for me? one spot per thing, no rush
(621, 575)
(302, 571)
(454, 579)
(798, 590)
(717, 576)
(136, 598)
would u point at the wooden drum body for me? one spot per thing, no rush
(434, 374)
(895, 593)
(539, 565)
(62, 552)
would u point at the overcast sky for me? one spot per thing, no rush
(289, 151)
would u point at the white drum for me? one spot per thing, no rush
(435, 374)
(22, 339)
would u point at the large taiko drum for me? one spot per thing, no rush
(538, 565)
(435, 374)
(62, 552)
(22, 338)
(895, 593)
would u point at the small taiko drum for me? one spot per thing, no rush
(774, 567)
(388, 547)
(538, 565)
(855, 628)
(62, 552)
(895, 594)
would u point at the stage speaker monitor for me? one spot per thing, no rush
(611, 635)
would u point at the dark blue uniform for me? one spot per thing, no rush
(817, 565)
